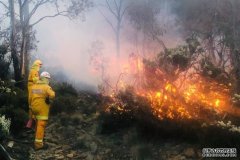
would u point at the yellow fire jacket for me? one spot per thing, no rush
(39, 93)
(33, 75)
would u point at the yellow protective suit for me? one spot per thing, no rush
(40, 109)
(33, 77)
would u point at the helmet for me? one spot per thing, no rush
(45, 74)
(37, 62)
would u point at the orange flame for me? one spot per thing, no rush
(189, 101)
(175, 103)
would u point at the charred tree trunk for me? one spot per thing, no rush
(14, 55)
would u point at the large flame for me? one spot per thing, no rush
(190, 100)
(196, 97)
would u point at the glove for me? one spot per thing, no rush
(47, 100)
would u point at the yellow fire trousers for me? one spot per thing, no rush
(30, 114)
(40, 128)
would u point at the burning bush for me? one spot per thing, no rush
(123, 110)
(127, 109)
(174, 100)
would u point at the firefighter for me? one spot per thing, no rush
(41, 94)
(32, 79)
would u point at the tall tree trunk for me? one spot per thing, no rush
(15, 57)
(27, 38)
(117, 10)
(211, 50)
(118, 40)
(24, 18)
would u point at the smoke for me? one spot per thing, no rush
(64, 46)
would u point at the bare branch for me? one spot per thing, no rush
(5, 6)
(110, 9)
(52, 16)
(116, 5)
(121, 15)
(108, 21)
(119, 78)
(107, 83)
(40, 3)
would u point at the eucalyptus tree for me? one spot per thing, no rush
(117, 10)
(217, 25)
(23, 19)
(145, 17)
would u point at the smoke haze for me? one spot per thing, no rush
(64, 44)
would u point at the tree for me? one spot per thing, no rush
(99, 62)
(13, 47)
(217, 25)
(232, 34)
(144, 16)
(97, 58)
(4, 62)
(21, 46)
(117, 9)
(199, 17)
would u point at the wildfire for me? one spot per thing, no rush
(217, 102)
(193, 98)
(186, 103)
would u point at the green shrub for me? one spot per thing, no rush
(87, 104)
(19, 99)
(14, 105)
(65, 89)
(66, 99)
(4, 126)
(17, 115)
(65, 104)
(4, 64)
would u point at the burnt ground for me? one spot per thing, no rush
(81, 141)
(79, 136)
